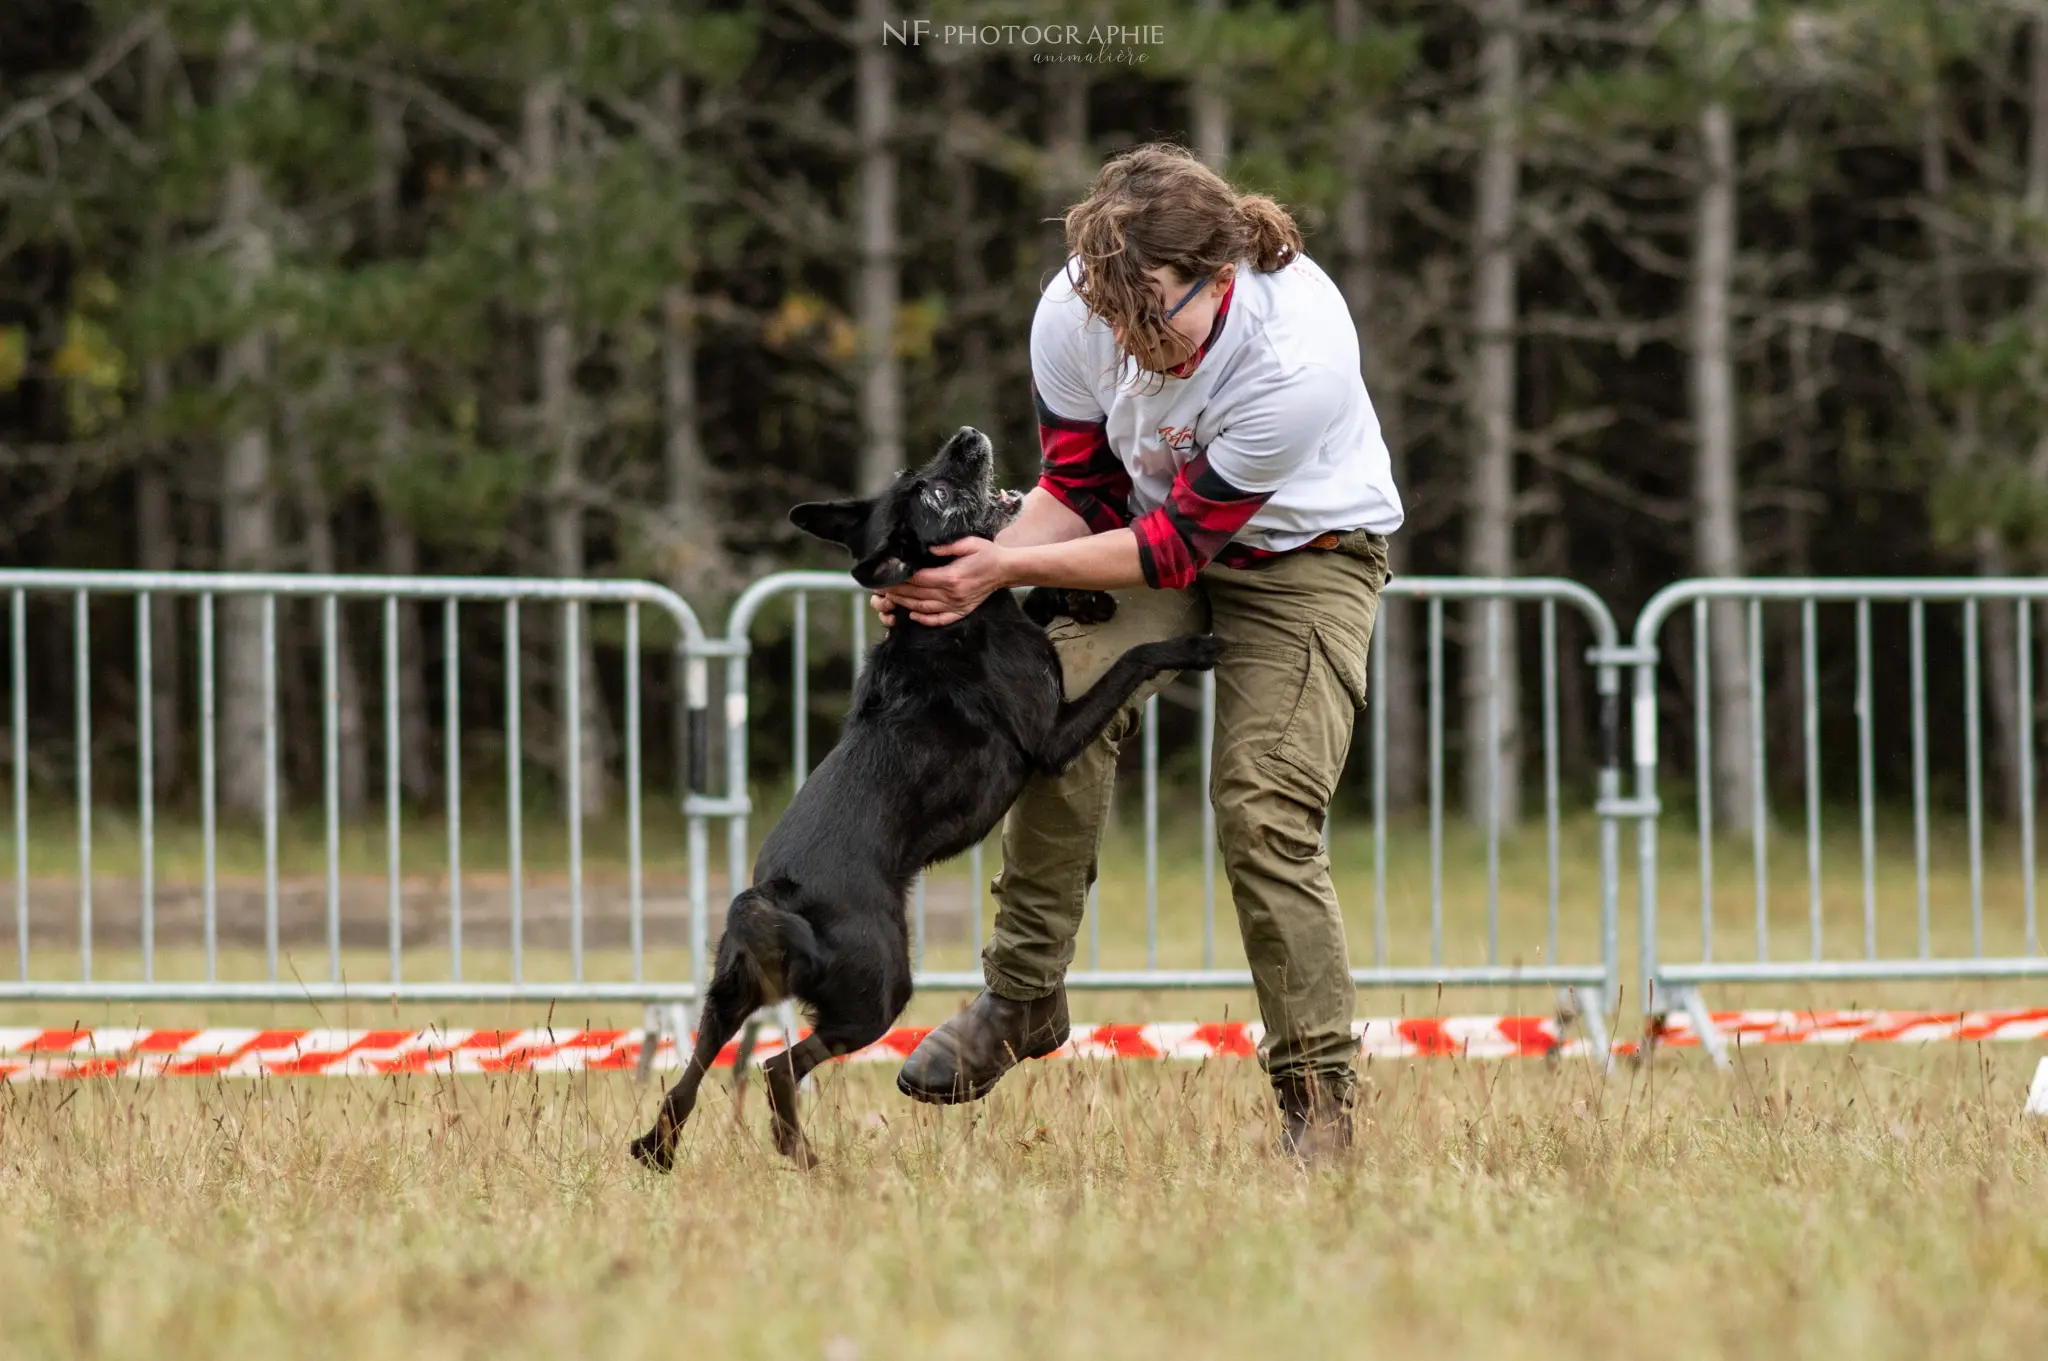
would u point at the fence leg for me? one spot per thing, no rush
(1703, 1026)
(656, 1021)
(1586, 1008)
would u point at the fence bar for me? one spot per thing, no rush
(18, 632)
(269, 608)
(1918, 615)
(1151, 785)
(737, 867)
(800, 689)
(1866, 777)
(1493, 780)
(82, 659)
(1208, 747)
(634, 909)
(145, 735)
(514, 750)
(451, 689)
(1809, 666)
(330, 762)
(395, 905)
(860, 634)
(572, 646)
(1377, 712)
(1758, 777)
(974, 877)
(918, 921)
(1436, 780)
(1973, 763)
(1550, 781)
(1703, 742)
(207, 791)
(2024, 627)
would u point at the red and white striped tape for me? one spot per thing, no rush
(29, 1055)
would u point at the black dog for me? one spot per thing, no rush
(947, 725)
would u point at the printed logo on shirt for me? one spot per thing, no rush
(1179, 440)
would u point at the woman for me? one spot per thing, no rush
(1212, 459)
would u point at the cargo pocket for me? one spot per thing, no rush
(1310, 754)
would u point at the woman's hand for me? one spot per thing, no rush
(938, 596)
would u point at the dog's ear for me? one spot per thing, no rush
(884, 567)
(834, 521)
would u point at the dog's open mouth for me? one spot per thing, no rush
(1008, 504)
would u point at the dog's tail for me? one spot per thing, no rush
(779, 943)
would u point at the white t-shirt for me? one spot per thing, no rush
(1276, 403)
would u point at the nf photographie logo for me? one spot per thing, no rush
(1124, 43)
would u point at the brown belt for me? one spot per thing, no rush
(1323, 543)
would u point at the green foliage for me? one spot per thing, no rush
(743, 199)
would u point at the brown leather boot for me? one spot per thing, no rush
(964, 1058)
(1315, 1118)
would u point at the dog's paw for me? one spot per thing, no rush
(1044, 604)
(1091, 607)
(792, 1145)
(655, 1150)
(1199, 652)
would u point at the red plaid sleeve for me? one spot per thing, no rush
(1201, 515)
(1080, 470)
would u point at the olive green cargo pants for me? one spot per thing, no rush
(1290, 683)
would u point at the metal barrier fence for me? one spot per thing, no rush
(1676, 985)
(1593, 979)
(573, 598)
(1483, 604)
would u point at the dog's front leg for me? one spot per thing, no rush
(1079, 722)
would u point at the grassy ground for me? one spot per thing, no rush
(1121, 938)
(1877, 1205)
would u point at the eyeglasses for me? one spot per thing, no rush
(1190, 297)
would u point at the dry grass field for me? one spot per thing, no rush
(1883, 1203)
(1876, 1204)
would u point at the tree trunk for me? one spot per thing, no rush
(1787, 704)
(881, 398)
(155, 530)
(1717, 526)
(401, 547)
(695, 553)
(157, 546)
(1964, 446)
(973, 391)
(352, 768)
(561, 436)
(1396, 685)
(1211, 102)
(2037, 212)
(1493, 742)
(248, 501)
(1067, 168)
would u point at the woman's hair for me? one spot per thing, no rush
(1159, 205)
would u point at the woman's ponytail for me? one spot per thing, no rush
(1275, 240)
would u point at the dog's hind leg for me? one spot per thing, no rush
(734, 993)
(789, 1068)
